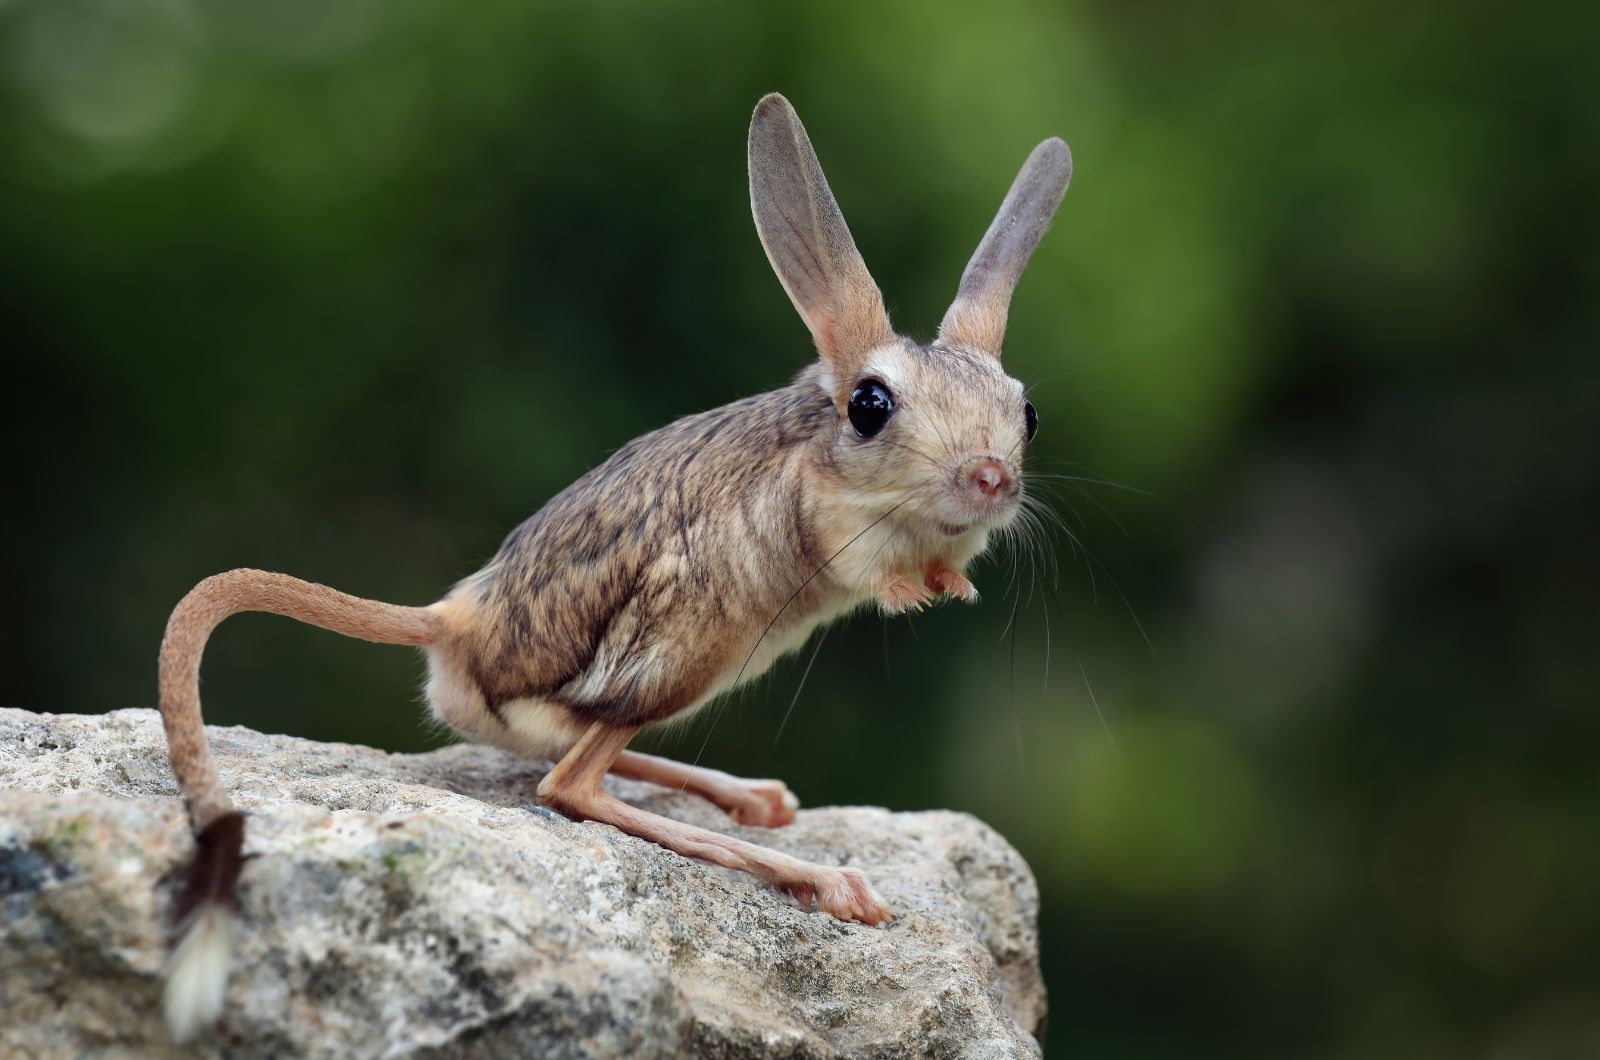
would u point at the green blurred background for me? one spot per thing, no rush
(349, 289)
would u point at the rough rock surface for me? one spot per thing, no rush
(426, 906)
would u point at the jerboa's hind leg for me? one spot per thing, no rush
(765, 803)
(574, 787)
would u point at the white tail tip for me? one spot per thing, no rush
(197, 974)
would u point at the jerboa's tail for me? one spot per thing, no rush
(203, 918)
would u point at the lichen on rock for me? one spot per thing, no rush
(427, 906)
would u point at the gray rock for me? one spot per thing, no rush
(426, 906)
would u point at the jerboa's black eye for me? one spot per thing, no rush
(870, 405)
(1030, 421)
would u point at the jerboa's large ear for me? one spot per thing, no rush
(808, 243)
(978, 315)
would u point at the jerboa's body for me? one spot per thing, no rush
(691, 559)
(647, 586)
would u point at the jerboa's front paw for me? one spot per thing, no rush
(899, 594)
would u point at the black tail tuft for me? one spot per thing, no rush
(203, 929)
(213, 871)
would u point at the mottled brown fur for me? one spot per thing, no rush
(634, 557)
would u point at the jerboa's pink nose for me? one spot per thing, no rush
(989, 477)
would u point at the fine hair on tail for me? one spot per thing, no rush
(203, 918)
